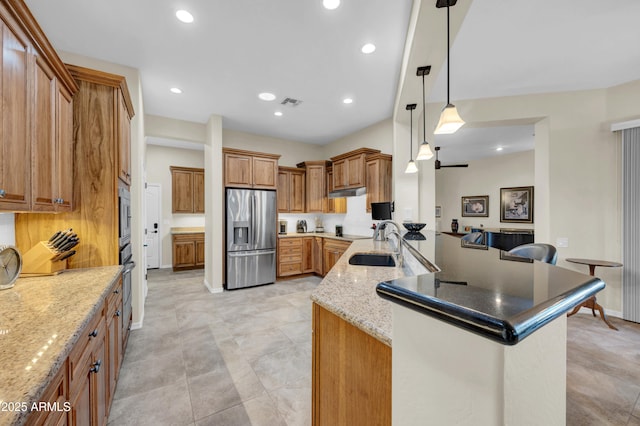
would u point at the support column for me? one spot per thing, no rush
(214, 206)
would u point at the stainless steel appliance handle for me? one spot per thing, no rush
(245, 254)
(254, 222)
(127, 268)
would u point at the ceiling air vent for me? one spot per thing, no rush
(291, 102)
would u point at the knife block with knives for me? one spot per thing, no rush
(49, 257)
(39, 260)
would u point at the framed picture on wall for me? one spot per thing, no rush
(516, 204)
(475, 206)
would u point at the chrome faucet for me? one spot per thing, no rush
(398, 252)
(380, 228)
(378, 234)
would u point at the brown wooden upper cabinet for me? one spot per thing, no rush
(36, 146)
(124, 141)
(315, 190)
(248, 169)
(333, 205)
(291, 190)
(378, 178)
(187, 190)
(349, 168)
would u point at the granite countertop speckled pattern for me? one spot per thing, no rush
(40, 322)
(331, 235)
(349, 291)
(187, 230)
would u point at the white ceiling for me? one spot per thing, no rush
(293, 48)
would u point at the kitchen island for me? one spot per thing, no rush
(41, 319)
(444, 365)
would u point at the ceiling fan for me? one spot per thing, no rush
(438, 165)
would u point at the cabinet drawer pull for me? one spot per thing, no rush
(96, 366)
(116, 291)
(94, 333)
(117, 313)
(2, 193)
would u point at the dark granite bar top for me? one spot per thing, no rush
(486, 291)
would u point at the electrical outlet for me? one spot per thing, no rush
(562, 242)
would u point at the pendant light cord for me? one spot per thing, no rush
(448, 48)
(411, 138)
(424, 113)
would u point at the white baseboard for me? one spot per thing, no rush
(212, 289)
(609, 312)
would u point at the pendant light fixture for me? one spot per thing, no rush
(450, 120)
(411, 166)
(424, 153)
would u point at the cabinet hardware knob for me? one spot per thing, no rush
(118, 313)
(96, 366)
(116, 291)
(2, 193)
(94, 333)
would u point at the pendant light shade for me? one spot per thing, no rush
(424, 153)
(411, 166)
(450, 120)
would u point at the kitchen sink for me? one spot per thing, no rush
(372, 259)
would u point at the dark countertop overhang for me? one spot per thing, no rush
(480, 289)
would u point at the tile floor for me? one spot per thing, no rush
(236, 358)
(244, 358)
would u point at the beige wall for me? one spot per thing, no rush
(377, 136)
(159, 160)
(292, 152)
(482, 177)
(171, 128)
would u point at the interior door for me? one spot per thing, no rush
(152, 197)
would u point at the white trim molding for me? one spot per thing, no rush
(625, 125)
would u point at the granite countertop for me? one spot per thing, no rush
(349, 291)
(40, 322)
(345, 237)
(187, 230)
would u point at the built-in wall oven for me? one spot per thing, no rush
(126, 255)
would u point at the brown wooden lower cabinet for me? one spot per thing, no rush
(303, 255)
(85, 384)
(351, 374)
(188, 251)
(332, 251)
(289, 257)
(317, 255)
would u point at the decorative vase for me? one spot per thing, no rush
(454, 225)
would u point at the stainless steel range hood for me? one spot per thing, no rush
(351, 192)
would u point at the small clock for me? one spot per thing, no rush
(10, 266)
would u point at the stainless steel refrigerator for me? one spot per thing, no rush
(251, 237)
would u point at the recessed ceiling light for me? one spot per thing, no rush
(368, 48)
(347, 101)
(278, 113)
(499, 148)
(175, 90)
(331, 4)
(184, 16)
(266, 96)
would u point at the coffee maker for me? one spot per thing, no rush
(282, 228)
(301, 226)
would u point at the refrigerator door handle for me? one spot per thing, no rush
(253, 253)
(254, 219)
